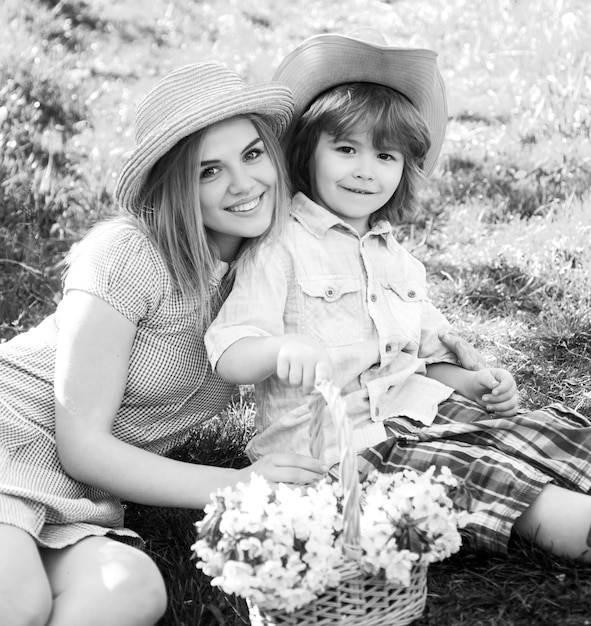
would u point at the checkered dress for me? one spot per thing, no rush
(505, 462)
(170, 390)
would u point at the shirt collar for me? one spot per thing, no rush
(318, 220)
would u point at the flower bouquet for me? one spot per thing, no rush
(336, 553)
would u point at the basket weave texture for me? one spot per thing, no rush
(358, 599)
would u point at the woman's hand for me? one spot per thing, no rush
(468, 356)
(495, 390)
(290, 468)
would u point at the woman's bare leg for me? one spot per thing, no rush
(559, 521)
(25, 595)
(100, 581)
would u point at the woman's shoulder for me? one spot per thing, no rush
(115, 243)
(117, 261)
(117, 234)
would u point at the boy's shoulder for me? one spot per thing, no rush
(402, 252)
(307, 215)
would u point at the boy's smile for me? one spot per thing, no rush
(353, 179)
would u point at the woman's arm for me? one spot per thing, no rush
(92, 362)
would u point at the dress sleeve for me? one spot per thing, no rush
(256, 304)
(120, 266)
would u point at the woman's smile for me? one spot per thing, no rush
(237, 183)
(246, 206)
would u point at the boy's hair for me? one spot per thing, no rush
(172, 216)
(389, 117)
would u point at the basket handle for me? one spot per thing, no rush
(326, 393)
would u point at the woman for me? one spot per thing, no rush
(92, 398)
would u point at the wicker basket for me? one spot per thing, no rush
(359, 599)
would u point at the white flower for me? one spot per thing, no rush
(281, 549)
(400, 567)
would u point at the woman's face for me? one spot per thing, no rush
(236, 184)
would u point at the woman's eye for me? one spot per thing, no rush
(253, 154)
(345, 149)
(208, 172)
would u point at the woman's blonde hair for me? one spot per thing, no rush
(174, 221)
(171, 217)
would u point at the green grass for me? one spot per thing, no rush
(504, 234)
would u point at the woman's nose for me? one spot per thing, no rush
(241, 181)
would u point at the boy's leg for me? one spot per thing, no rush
(102, 581)
(559, 521)
(25, 595)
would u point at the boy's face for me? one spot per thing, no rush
(352, 179)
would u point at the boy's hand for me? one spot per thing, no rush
(496, 391)
(301, 360)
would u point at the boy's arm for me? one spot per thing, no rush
(453, 376)
(243, 341)
(249, 360)
(492, 388)
(296, 359)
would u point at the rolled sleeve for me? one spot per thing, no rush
(256, 304)
(431, 348)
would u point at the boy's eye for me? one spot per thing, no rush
(390, 156)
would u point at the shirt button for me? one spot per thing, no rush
(373, 297)
(388, 347)
(329, 293)
(412, 293)
(377, 411)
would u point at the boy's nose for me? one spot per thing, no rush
(364, 174)
(364, 171)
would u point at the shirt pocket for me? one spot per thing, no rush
(405, 301)
(333, 308)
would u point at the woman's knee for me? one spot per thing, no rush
(110, 581)
(143, 591)
(25, 593)
(32, 610)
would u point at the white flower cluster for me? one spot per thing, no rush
(281, 548)
(408, 518)
(277, 548)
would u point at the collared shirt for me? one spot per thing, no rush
(364, 298)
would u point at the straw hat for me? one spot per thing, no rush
(187, 100)
(325, 61)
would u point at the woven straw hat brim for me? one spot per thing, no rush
(177, 119)
(325, 61)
